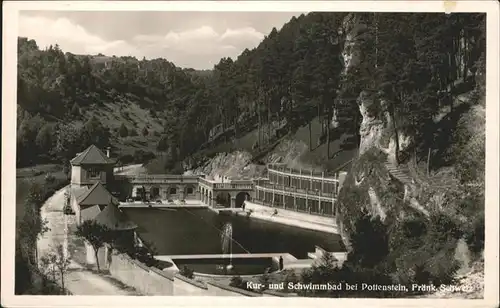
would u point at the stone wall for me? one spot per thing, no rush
(152, 281)
(146, 280)
(184, 286)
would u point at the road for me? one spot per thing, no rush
(78, 280)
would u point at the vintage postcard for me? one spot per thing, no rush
(294, 153)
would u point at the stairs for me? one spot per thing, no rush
(401, 174)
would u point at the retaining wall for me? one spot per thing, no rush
(146, 280)
(152, 281)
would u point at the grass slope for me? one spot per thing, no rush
(36, 174)
(126, 109)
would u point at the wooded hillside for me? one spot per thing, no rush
(294, 75)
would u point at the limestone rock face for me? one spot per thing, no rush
(233, 165)
(289, 152)
(369, 178)
(351, 28)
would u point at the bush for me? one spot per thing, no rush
(289, 276)
(475, 236)
(123, 131)
(50, 178)
(67, 210)
(144, 255)
(142, 157)
(187, 272)
(126, 159)
(238, 282)
(443, 228)
(264, 280)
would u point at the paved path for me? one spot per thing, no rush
(78, 280)
(166, 205)
(130, 169)
(81, 281)
(300, 220)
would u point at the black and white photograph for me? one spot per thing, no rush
(223, 151)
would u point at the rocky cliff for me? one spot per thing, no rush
(239, 165)
(394, 192)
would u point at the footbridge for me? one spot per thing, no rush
(216, 193)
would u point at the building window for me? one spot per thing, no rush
(173, 190)
(94, 173)
(189, 190)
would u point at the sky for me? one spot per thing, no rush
(188, 39)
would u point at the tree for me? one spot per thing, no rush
(133, 133)
(93, 132)
(123, 131)
(162, 145)
(45, 139)
(96, 235)
(56, 261)
(324, 271)
(68, 141)
(369, 243)
(75, 110)
(419, 57)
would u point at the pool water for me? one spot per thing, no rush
(198, 231)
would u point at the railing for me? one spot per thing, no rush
(232, 186)
(157, 176)
(205, 182)
(286, 189)
(297, 210)
(307, 174)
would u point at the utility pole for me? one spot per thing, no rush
(376, 40)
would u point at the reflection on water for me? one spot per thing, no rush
(226, 237)
(198, 231)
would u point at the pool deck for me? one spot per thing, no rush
(289, 261)
(286, 256)
(219, 210)
(189, 204)
(291, 218)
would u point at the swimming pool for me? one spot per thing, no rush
(198, 231)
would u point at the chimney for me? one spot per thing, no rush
(107, 151)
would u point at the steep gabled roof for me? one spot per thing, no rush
(90, 213)
(96, 195)
(113, 218)
(91, 156)
(78, 191)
